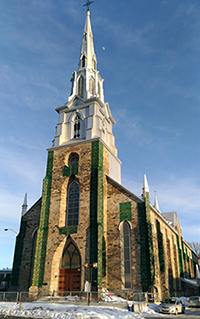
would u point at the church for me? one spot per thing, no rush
(87, 227)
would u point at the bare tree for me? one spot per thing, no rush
(196, 247)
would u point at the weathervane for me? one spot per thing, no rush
(87, 4)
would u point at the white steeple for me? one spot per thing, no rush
(156, 206)
(86, 116)
(87, 56)
(87, 82)
(145, 186)
(25, 205)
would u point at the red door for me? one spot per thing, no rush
(69, 280)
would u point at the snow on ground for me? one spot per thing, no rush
(63, 311)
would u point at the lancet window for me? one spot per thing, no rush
(80, 86)
(91, 85)
(83, 61)
(127, 255)
(73, 198)
(73, 159)
(71, 258)
(77, 126)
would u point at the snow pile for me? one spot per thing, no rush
(63, 311)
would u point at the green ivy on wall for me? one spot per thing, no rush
(104, 258)
(179, 257)
(150, 240)
(146, 245)
(96, 212)
(183, 250)
(68, 230)
(125, 211)
(40, 255)
(18, 253)
(187, 255)
(70, 170)
(161, 253)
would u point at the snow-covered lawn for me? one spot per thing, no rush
(63, 311)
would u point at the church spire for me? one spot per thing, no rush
(87, 56)
(87, 82)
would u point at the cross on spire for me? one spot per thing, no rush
(87, 4)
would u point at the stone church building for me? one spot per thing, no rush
(87, 227)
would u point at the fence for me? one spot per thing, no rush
(104, 298)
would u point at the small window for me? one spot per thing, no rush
(73, 197)
(127, 255)
(3, 284)
(83, 62)
(80, 86)
(91, 85)
(73, 159)
(77, 126)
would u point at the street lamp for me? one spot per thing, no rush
(6, 229)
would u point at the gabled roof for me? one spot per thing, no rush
(33, 206)
(124, 190)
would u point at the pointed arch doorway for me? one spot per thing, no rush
(69, 279)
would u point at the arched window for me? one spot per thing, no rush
(127, 255)
(71, 258)
(77, 126)
(80, 86)
(73, 159)
(83, 61)
(72, 87)
(91, 85)
(73, 197)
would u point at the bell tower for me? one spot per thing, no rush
(71, 235)
(86, 116)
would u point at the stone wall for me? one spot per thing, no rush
(176, 262)
(114, 245)
(57, 230)
(23, 261)
(57, 217)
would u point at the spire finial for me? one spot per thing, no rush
(87, 4)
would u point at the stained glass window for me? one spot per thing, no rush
(71, 258)
(73, 204)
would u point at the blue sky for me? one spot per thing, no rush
(151, 69)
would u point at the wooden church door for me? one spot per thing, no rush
(69, 279)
